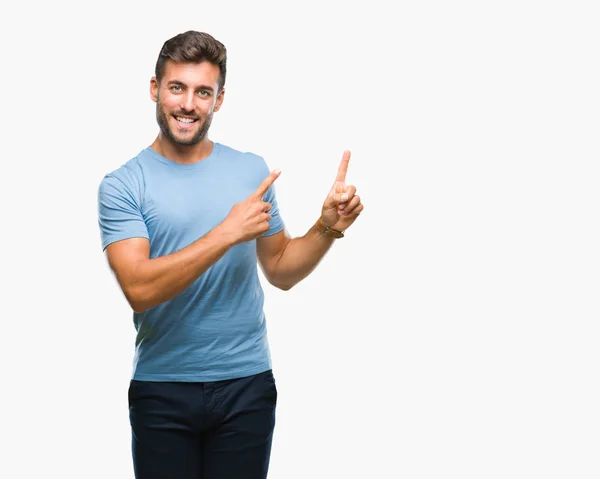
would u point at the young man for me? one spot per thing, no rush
(184, 224)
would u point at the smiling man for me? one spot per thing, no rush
(185, 225)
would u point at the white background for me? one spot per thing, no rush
(452, 333)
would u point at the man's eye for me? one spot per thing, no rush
(175, 88)
(204, 93)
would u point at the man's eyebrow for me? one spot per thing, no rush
(200, 87)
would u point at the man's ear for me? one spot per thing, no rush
(219, 101)
(154, 89)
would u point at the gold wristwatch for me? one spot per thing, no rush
(327, 231)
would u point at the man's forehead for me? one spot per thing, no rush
(190, 70)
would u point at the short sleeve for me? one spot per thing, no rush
(119, 212)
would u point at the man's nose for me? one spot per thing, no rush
(187, 101)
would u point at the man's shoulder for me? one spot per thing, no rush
(237, 154)
(128, 173)
(245, 163)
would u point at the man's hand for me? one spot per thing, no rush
(342, 206)
(249, 219)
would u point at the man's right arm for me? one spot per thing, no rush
(149, 282)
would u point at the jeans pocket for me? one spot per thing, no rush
(131, 393)
(270, 385)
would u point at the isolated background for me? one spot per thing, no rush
(452, 333)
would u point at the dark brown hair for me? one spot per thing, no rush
(194, 47)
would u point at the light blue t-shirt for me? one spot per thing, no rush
(216, 328)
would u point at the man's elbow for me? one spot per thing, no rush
(138, 308)
(137, 299)
(283, 286)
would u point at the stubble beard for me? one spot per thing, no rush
(163, 122)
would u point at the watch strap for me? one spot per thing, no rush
(328, 231)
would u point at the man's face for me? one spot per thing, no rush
(186, 99)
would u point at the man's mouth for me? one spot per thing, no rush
(184, 120)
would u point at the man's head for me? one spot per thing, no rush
(188, 86)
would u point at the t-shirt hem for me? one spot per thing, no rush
(275, 230)
(114, 239)
(202, 377)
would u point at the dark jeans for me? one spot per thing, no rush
(212, 430)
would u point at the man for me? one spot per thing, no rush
(184, 224)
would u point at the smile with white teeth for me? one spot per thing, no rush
(185, 120)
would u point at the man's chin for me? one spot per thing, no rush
(188, 139)
(187, 142)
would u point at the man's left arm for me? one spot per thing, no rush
(286, 261)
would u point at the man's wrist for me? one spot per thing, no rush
(325, 230)
(225, 236)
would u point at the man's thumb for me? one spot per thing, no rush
(333, 200)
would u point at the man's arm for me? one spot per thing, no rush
(149, 282)
(286, 261)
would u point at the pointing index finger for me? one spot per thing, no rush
(343, 169)
(267, 182)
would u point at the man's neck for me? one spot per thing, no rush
(181, 153)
